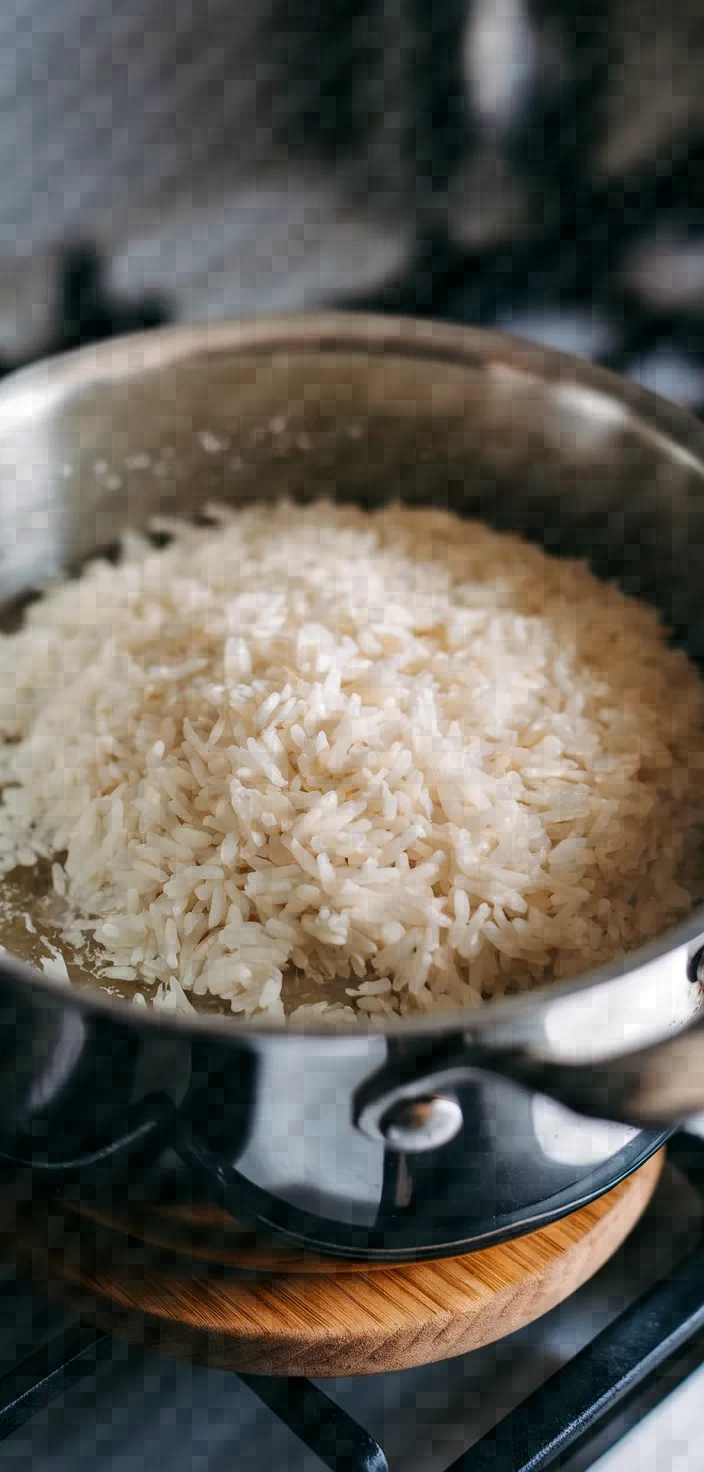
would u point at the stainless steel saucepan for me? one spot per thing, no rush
(423, 1136)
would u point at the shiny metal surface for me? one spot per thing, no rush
(364, 409)
(423, 1123)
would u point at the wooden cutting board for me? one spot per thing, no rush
(192, 1284)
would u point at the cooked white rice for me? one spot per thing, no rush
(407, 760)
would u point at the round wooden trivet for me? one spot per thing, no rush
(350, 1319)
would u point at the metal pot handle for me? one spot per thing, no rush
(656, 1087)
(410, 1104)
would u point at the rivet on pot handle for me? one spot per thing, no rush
(413, 1117)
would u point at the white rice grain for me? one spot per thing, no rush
(413, 759)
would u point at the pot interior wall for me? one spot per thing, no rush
(563, 463)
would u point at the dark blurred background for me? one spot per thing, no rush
(535, 165)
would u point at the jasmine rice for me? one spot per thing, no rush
(325, 762)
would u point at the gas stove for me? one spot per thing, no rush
(612, 1378)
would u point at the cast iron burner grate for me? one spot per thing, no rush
(581, 1411)
(575, 270)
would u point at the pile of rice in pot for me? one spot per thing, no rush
(323, 762)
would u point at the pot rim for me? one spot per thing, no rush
(35, 388)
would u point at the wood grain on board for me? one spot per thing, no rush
(288, 1318)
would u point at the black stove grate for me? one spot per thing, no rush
(581, 265)
(588, 1404)
(574, 1417)
(576, 271)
